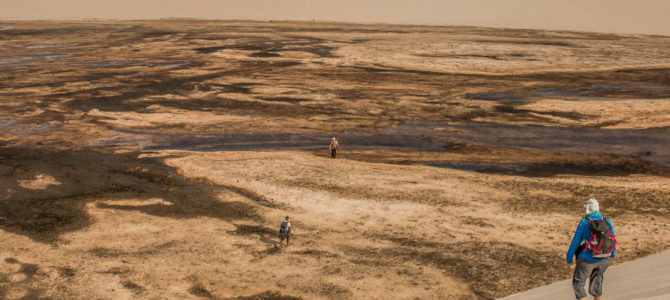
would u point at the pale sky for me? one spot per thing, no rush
(622, 16)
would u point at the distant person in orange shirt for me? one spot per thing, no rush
(333, 147)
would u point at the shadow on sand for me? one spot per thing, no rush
(82, 176)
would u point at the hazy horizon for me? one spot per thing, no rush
(612, 16)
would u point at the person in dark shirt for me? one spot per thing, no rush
(284, 231)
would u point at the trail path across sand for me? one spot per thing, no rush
(646, 278)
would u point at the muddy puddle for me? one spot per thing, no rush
(120, 63)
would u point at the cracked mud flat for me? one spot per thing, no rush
(156, 159)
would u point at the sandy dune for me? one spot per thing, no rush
(646, 278)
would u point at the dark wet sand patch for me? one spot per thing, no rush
(47, 46)
(157, 85)
(158, 33)
(492, 96)
(475, 221)
(565, 197)
(284, 99)
(200, 291)
(29, 130)
(460, 56)
(132, 286)
(610, 90)
(27, 269)
(267, 295)
(283, 63)
(66, 271)
(119, 63)
(510, 109)
(264, 54)
(53, 31)
(317, 253)
(529, 42)
(501, 168)
(601, 165)
(103, 252)
(254, 229)
(329, 290)
(45, 56)
(8, 122)
(44, 214)
(266, 47)
(10, 62)
(561, 139)
(116, 270)
(241, 88)
(490, 269)
(568, 79)
(601, 91)
(271, 249)
(266, 140)
(423, 136)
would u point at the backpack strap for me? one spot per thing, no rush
(608, 223)
(615, 242)
(592, 224)
(611, 235)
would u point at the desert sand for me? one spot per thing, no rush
(642, 279)
(156, 159)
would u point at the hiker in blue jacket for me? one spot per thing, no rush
(588, 267)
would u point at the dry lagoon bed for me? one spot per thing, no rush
(156, 159)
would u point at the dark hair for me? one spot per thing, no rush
(286, 217)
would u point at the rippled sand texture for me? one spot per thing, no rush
(156, 159)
